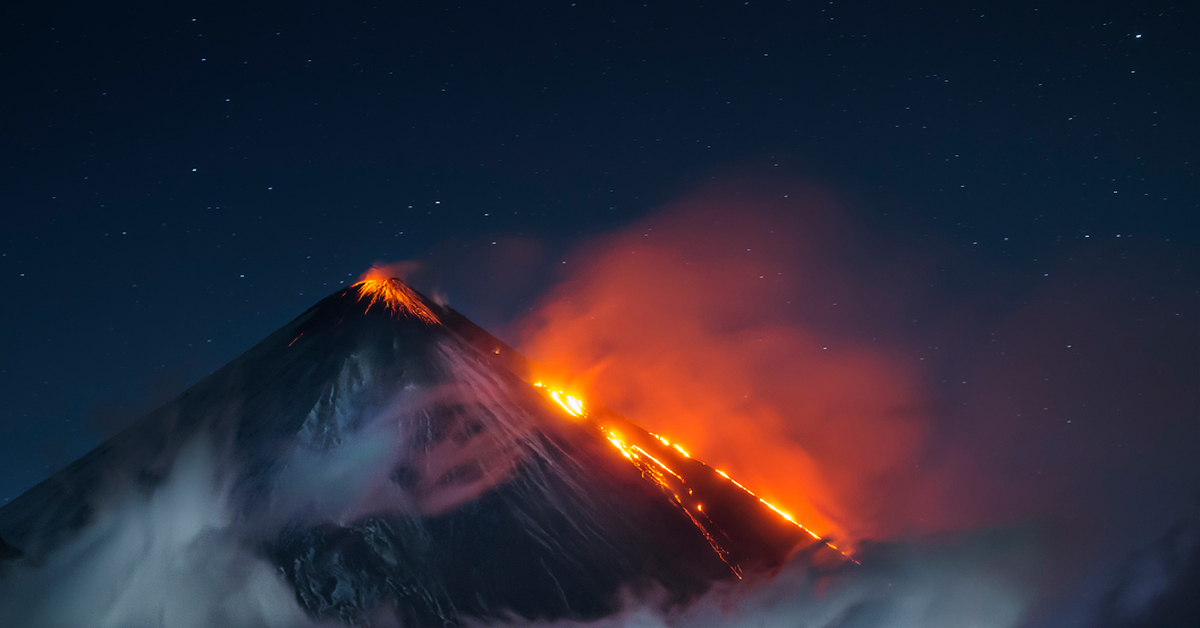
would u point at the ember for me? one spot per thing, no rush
(376, 287)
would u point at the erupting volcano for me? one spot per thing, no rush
(387, 460)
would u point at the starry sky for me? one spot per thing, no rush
(178, 182)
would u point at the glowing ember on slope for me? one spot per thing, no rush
(639, 457)
(375, 287)
(673, 445)
(573, 405)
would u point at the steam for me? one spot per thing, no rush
(407, 271)
(403, 270)
(188, 551)
(693, 322)
(850, 380)
(983, 580)
(171, 558)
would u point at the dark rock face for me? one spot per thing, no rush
(533, 547)
(7, 551)
(382, 463)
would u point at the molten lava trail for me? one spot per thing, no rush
(671, 482)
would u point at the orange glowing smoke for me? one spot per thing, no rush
(376, 286)
(689, 323)
(638, 456)
(641, 459)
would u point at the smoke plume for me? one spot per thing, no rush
(718, 323)
(887, 386)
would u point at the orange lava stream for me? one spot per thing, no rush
(635, 454)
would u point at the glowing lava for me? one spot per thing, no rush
(671, 482)
(375, 287)
(572, 405)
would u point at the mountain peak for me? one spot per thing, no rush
(404, 463)
(377, 288)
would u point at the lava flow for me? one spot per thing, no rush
(376, 287)
(671, 482)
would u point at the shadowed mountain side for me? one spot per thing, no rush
(385, 453)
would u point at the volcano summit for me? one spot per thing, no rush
(380, 460)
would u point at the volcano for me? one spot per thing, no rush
(391, 463)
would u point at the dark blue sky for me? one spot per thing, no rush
(177, 183)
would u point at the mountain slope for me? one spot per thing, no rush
(389, 459)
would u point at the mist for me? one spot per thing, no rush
(171, 558)
(190, 550)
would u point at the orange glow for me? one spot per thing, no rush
(571, 404)
(712, 324)
(657, 462)
(375, 287)
(637, 455)
(575, 404)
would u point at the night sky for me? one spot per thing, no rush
(179, 182)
